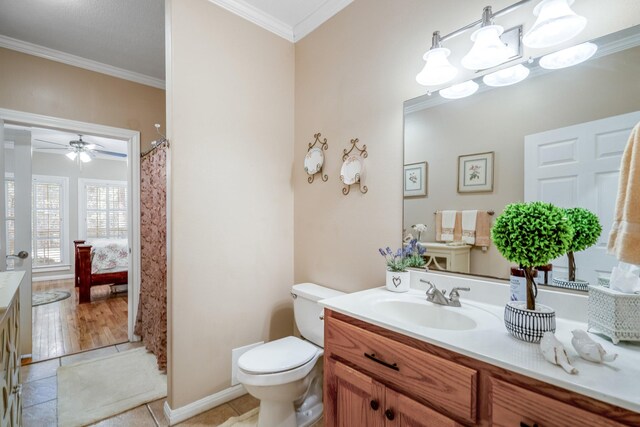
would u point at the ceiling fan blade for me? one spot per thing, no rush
(110, 153)
(93, 145)
(54, 143)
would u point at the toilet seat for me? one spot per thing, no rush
(305, 362)
(281, 355)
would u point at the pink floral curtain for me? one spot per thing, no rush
(151, 322)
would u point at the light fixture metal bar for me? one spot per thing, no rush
(501, 12)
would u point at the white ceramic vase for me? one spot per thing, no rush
(398, 281)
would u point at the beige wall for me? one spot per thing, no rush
(600, 88)
(352, 76)
(231, 107)
(40, 86)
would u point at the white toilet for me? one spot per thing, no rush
(286, 374)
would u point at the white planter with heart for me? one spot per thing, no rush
(398, 281)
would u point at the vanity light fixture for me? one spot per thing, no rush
(488, 50)
(556, 24)
(507, 76)
(460, 90)
(437, 69)
(568, 57)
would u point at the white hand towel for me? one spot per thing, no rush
(448, 225)
(469, 227)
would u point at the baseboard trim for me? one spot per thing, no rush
(175, 416)
(47, 278)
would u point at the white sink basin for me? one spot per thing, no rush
(425, 314)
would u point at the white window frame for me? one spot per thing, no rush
(8, 176)
(65, 263)
(82, 202)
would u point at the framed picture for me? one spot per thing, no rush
(475, 173)
(415, 180)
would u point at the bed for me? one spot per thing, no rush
(100, 262)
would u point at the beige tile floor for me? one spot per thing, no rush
(40, 398)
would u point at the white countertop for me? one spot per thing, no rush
(9, 284)
(617, 383)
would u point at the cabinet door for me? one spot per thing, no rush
(401, 411)
(359, 399)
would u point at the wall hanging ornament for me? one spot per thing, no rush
(352, 171)
(314, 160)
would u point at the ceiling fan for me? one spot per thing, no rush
(81, 151)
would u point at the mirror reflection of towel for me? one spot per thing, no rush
(448, 225)
(469, 227)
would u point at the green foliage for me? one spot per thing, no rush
(532, 234)
(414, 254)
(586, 228)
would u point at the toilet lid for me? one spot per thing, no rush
(277, 356)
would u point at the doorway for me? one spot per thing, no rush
(45, 179)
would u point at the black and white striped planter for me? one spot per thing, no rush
(578, 285)
(529, 325)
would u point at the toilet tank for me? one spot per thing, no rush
(307, 311)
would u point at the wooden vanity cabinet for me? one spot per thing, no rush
(374, 377)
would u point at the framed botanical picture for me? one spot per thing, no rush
(415, 179)
(475, 173)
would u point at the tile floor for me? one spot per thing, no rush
(40, 398)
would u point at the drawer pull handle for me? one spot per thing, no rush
(373, 357)
(523, 424)
(389, 414)
(375, 405)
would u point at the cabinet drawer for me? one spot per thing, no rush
(514, 406)
(446, 385)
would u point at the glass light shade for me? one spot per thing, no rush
(488, 50)
(72, 155)
(437, 70)
(461, 90)
(556, 24)
(568, 57)
(84, 157)
(507, 76)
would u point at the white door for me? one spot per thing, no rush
(15, 220)
(579, 166)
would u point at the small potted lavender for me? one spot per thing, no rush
(397, 274)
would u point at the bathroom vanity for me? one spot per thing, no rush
(398, 360)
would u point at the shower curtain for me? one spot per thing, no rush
(151, 322)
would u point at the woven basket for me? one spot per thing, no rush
(614, 314)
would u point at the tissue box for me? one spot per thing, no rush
(614, 314)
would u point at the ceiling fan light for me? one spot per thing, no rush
(461, 90)
(488, 50)
(72, 155)
(85, 157)
(437, 69)
(556, 24)
(506, 76)
(568, 57)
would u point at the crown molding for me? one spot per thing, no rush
(257, 16)
(318, 17)
(77, 61)
(269, 23)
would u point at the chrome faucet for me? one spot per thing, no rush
(437, 296)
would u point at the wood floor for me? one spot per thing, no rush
(66, 327)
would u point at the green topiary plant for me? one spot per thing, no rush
(586, 231)
(531, 234)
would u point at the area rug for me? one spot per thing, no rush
(47, 297)
(248, 419)
(100, 388)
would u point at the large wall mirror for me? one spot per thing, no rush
(557, 136)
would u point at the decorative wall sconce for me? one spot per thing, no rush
(352, 171)
(314, 160)
(493, 46)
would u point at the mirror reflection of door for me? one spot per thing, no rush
(16, 219)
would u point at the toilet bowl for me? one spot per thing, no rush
(286, 374)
